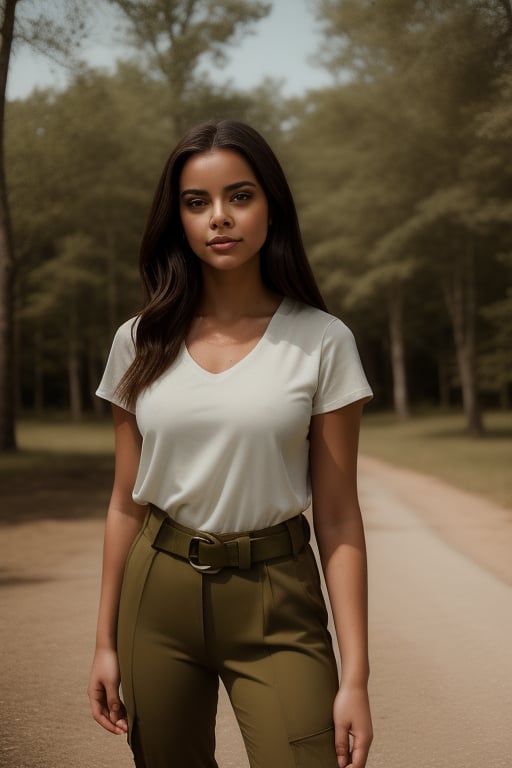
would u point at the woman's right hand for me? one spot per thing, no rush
(107, 708)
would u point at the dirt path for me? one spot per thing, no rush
(441, 623)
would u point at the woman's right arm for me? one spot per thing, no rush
(124, 519)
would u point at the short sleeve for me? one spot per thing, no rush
(120, 358)
(341, 378)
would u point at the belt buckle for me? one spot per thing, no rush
(193, 553)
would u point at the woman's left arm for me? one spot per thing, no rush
(339, 531)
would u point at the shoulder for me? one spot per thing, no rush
(314, 326)
(126, 331)
(123, 342)
(122, 349)
(121, 356)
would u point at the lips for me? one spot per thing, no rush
(222, 244)
(222, 241)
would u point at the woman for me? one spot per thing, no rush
(236, 398)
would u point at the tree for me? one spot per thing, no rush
(65, 289)
(79, 196)
(176, 36)
(45, 32)
(369, 163)
(7, 404)
(415, 196)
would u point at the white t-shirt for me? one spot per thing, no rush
(229, 451)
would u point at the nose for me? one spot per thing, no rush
(219, 217)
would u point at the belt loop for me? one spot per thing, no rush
(297, 534)
(244, 552)
(155, 518)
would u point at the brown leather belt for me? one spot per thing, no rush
(209, 553)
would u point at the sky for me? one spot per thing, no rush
(282, 46)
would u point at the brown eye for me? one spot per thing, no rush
(242, 197)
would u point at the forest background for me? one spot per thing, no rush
(401, 171)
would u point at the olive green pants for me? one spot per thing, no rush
(263, 631)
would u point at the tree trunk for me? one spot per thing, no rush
(38, 369)
(93, 375)
(17, 378)
(460, 295)
(74, 379)
(466, 365)
(505, 396)
(396, 337)
(112, 280)
(443, 376)
(75, 390)
(7, 393)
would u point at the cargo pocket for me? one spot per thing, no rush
(316, 751)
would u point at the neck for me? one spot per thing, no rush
(229, 295)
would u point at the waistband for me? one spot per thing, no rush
(209, 553)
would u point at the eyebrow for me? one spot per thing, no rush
(229, 188)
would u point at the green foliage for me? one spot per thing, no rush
(55, 28)
(401, 173)
(174, 38)
(82, 172)
(82, 167)
(178, 34)
(405, 181)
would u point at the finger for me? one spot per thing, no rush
(115, 728)
(122, 725)
(342, 746)
(116, 709)
(101, 715)
(360, 750)
(101, 712)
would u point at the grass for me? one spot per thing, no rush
(56, 443)
(433, 443)
(436, 444)
(63, 437)
(61, 471)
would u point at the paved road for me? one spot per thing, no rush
(441, 629)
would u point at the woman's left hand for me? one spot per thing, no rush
(352, 726)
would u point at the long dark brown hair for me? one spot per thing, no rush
(171, 272)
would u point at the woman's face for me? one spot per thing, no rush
(223, 209)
